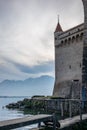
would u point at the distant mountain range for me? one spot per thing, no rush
(32, 86)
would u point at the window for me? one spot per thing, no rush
(80, 65)
(69, 66)
(55, 38)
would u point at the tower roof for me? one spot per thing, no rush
(58, 28)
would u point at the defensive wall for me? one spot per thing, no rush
(68, 62)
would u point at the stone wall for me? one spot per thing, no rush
(84, 69)
(68, 89)
(71, 107)
(71, 60)
(68, 66)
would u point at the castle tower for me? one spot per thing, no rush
(71, 60)
(68, 62)
(84, 69)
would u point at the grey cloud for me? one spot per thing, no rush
(42, 68)
(26, 33)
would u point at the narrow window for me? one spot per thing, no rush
(69, 66)
(55, 38)
(80, 65)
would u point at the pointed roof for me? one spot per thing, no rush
(58, 28)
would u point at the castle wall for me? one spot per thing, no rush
(68, 63)
(84, 78)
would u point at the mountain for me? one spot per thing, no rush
(32, 86)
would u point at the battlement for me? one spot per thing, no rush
(69, 36)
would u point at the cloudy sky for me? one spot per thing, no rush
(27, 35)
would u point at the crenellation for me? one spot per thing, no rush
(73, 31)
(69, 40)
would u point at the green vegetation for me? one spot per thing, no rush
(80, 126)
(38, 96)
(35, 105)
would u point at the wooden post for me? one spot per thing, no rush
(80, 110)
(39, 124)
(46, 105)
(54, 121)
(70, 108)
(62, 112)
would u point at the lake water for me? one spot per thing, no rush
(6, 114)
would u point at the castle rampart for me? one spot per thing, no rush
(69, 35)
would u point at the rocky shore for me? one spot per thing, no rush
(36, 103)
(42, 104)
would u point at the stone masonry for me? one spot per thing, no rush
(71, 60)
(84, 69)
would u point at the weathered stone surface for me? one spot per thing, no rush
(84, 69)
(68, 62)
(71, 61)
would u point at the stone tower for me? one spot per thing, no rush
(84, 69)
(71, 60)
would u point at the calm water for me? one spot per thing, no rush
(6, 114)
